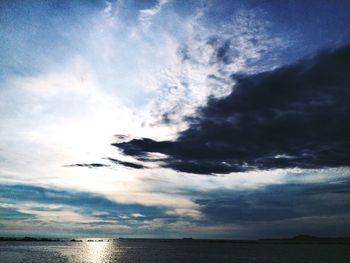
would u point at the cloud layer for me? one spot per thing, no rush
(293, 116)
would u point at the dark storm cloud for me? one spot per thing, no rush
(294, 116)
(113, 160)
(127, 164)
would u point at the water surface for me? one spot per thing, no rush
(170, 251)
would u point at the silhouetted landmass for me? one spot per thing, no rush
(30, 239)
(300, 239)
(76, 240)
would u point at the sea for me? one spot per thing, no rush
(168, 251)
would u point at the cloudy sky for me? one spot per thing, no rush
(174, 118)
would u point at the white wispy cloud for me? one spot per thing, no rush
(200, 65)
(146, 15)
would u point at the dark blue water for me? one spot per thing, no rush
(170, 251)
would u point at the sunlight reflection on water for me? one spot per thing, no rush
(98, 251)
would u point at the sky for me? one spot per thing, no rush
(174, 118)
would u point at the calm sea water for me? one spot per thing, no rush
(170, 251)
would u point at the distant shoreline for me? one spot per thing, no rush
(300, 239)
